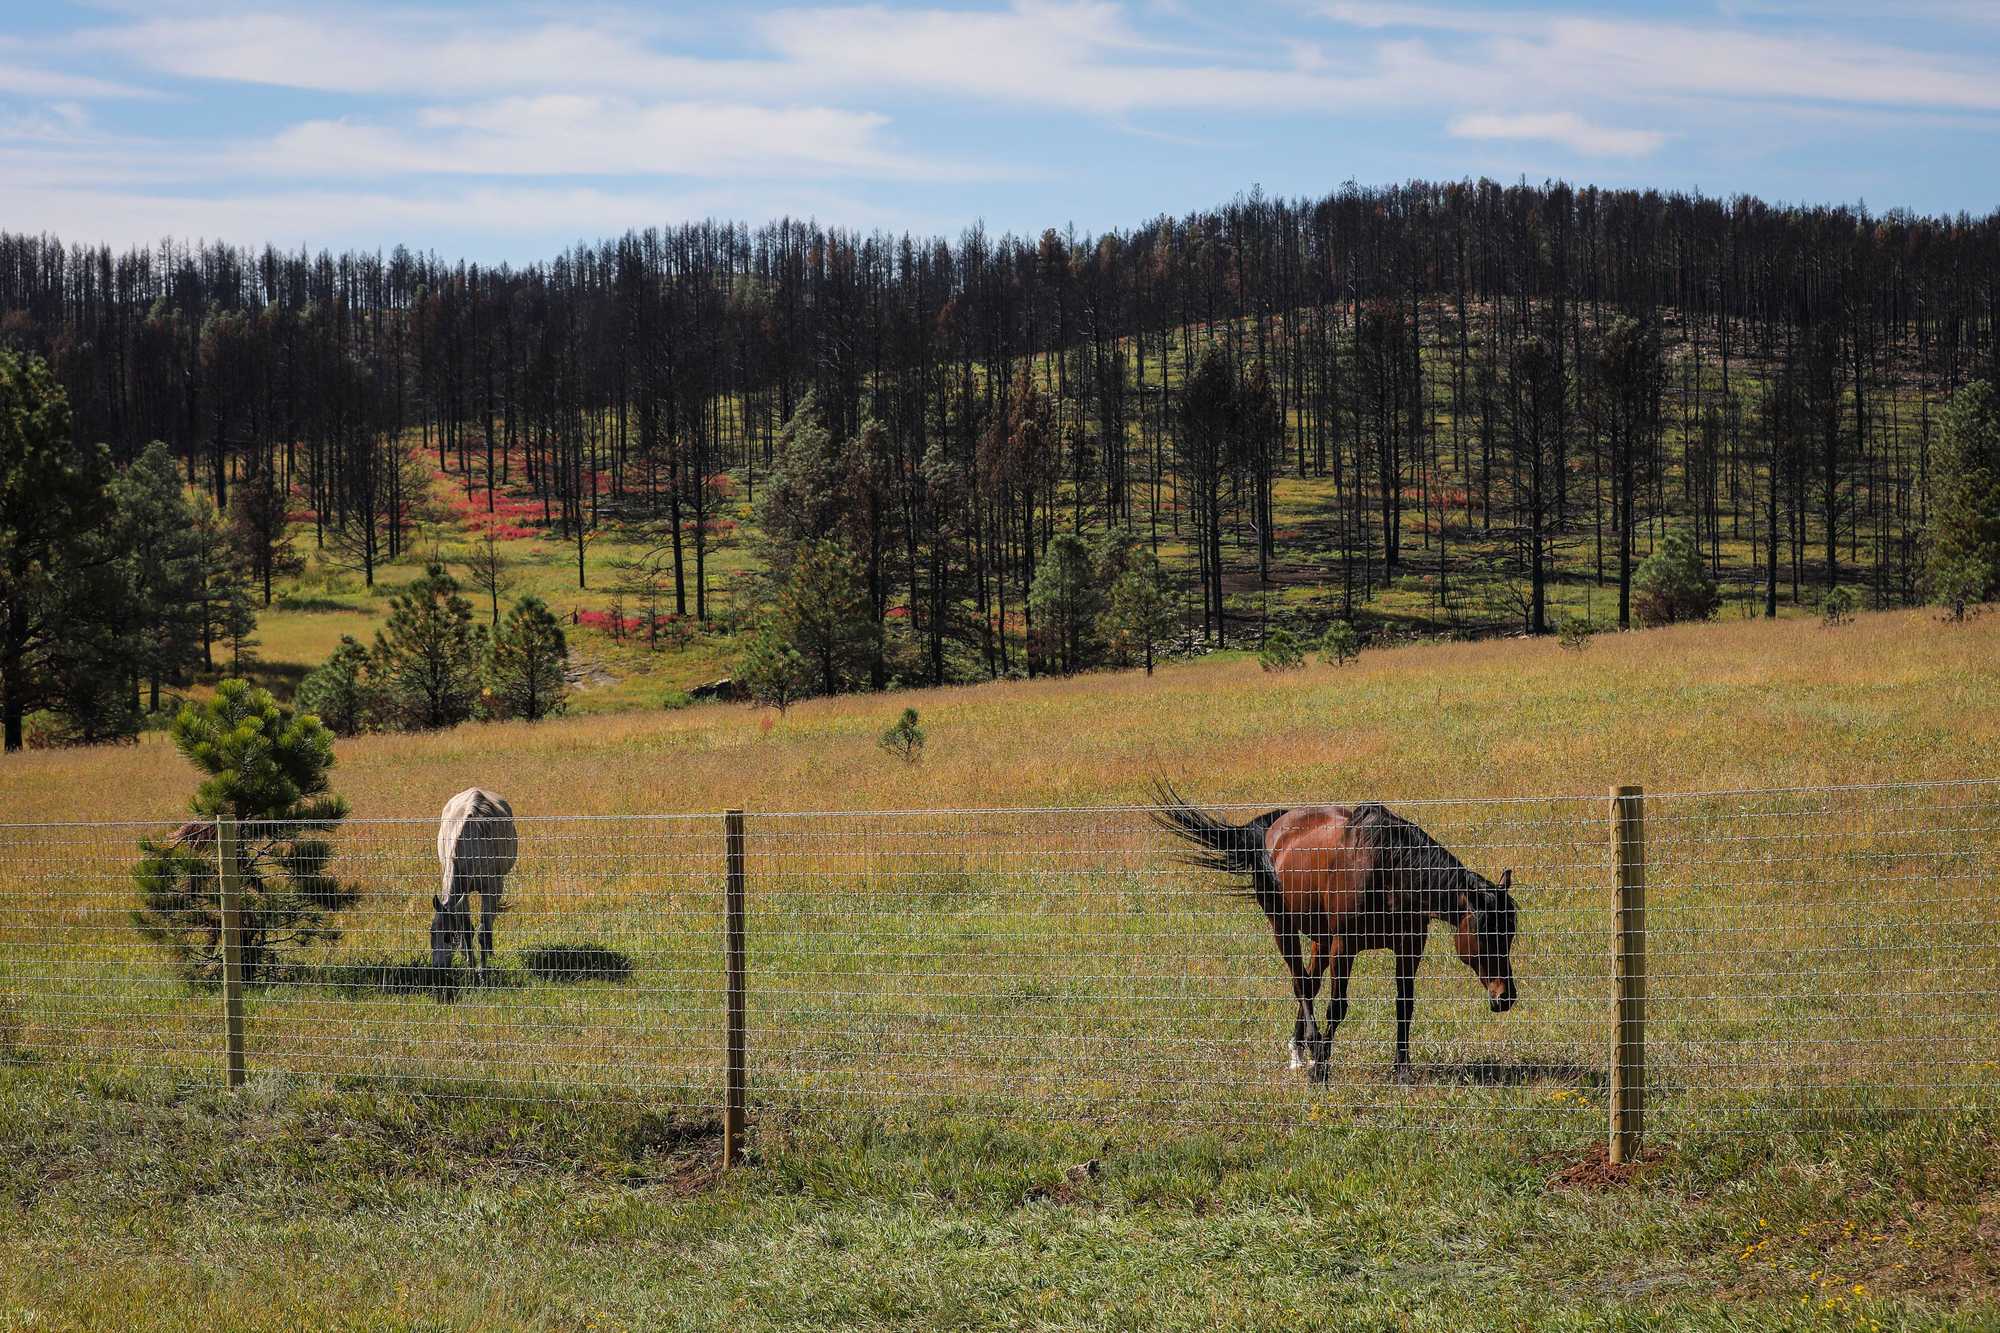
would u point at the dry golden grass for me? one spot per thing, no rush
(1895, 696)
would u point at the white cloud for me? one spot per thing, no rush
(290, 219)
(1070, 55)
(1623, 59)
(1046, 55)
(566, 135)
(25, 72)
(422, 55)
(1561, 127)
(1074, 54)
(1634, 57)
(1382, 14)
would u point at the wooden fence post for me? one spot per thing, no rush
(1628, 1057)
(736, 1077)
(230, 874)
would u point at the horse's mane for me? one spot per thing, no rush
(1402, 846)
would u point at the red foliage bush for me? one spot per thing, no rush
(601, 620)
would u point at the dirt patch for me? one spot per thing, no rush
(1594, 1171)
(678, 1156)
(585, 674)
(1953, 1268)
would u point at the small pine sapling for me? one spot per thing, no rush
(905, 739)
(1281, 651)
(1340, 644)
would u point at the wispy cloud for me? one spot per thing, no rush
(571, 135)
(23, 73)
(291, 218)
(427, 54)
(1561, 127)
(1622, 59)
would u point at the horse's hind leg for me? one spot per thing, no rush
(1304, 988)
(1339, 962)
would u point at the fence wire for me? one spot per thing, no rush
(1809, 951)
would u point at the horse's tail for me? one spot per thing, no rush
(1233, 849)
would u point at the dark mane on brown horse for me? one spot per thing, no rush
(1336, 881)
(1403, 848)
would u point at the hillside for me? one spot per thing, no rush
(1437, 409)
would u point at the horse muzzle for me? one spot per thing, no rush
(1500, 996)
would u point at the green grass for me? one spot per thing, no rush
(141, 1201)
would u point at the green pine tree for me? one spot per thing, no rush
(52, 501)
(825, 615)
(427, 658)
(337, 690)
(1673, 583)
(156, 539)
(268, 767)
(88, 669)
(527, 663)
(1282, 651)
(1065, 601)
(1141, 612)
(1340, 644)
(771, 670)
(1962, 543)
(260, 528)
(804, 501)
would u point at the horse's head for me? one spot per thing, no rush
(451, 930)
(1485, 939)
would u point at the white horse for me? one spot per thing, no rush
(476, 848)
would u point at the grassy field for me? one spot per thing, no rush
(953, 1011)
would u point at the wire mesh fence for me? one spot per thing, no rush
(1806, 952)
(606, 979)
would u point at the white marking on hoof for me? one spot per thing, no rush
(1298, 1050)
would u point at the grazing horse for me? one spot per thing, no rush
(1338, 880)
(476, 847)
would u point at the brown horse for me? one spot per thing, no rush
(1338, 880)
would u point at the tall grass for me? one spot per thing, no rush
(1896, 695)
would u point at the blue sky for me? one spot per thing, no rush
(507, 131)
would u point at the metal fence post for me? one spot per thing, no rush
(1628, 1058)
(229, 871)
(736, 1077)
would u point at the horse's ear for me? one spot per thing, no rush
(1507, 880)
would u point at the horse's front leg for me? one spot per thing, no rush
(1330, 956)
(489, 905)
(1409, 957)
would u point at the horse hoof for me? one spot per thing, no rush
(1402, 1075)
(1298, 1056)
(1320, 1070)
